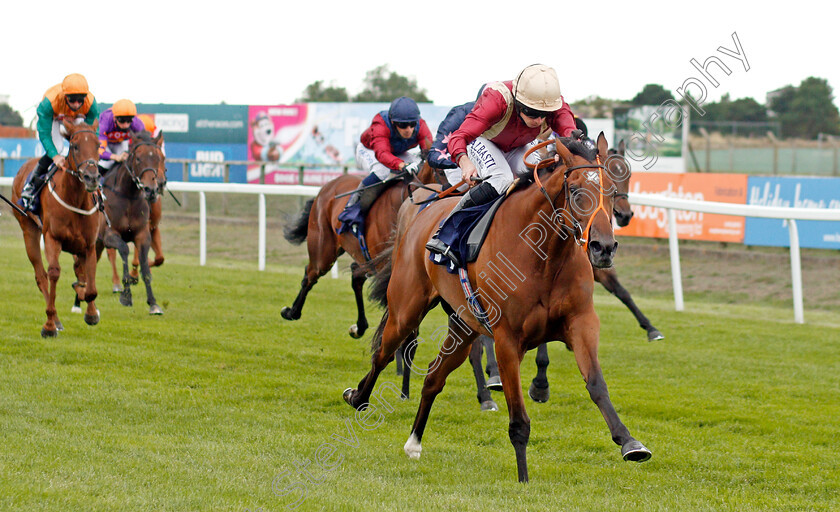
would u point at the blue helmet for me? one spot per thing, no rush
(404, 110)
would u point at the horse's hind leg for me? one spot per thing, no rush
(115, 241)
(357, 281)
(609, 279)
(453, 352)
(115, 277)
(323, 252)
(406, 354)
(484, 399)
(32, 242)
(494, 382)
(539, 390)
(584, 342)
(142, 246)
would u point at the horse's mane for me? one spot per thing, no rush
(144, 136)
(586, 150)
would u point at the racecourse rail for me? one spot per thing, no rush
(670, 204)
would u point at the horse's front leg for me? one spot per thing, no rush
(52, 249)
(89, 263)
(539, 390)
(142, 244)
(115, 277)
(509, 353)
(582, 336)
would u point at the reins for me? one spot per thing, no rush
(75, 171)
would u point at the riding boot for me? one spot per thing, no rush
(353, 209)
(27, 195)
(482, 194)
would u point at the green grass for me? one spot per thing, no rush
(207, 407)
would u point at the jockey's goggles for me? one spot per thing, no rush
(76, 98)
(532, 112)
(125, 119)
(410, 124)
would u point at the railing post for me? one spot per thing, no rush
(796, 272)
(261, 261)
(262, 174)
(185, 177)
(225, 179)
(2, 167)
(301, 171)
(676, 273)
(708, 140)
(202, 228)
(775, 144)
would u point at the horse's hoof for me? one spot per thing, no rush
(286, 313)
(655, 335)
(412, 447)
(133, 279)
(76, 309)
(539, 395)
(125, 299)
(92, 319)
(489, 405)
(348, 396)
(58, 325)
(355, 333)
(116, 289)
(48, 334)
(494, 383)
(155, 310)
(635, 451)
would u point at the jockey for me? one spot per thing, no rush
(384, 149)
(116, 125)
(495, 135)
(70, 99)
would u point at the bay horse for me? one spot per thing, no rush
(155, 214)
(130, 189)
(69, 222)
(317, 224)
(547, 296)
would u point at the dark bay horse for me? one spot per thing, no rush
(69, 222)
(619, 170)
(130, 189)
(155, 214)
(317, 224)
(530, 292)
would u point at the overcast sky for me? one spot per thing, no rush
(260, 53)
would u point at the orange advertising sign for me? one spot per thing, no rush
(653, 222)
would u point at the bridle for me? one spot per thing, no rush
(75, 169)
(581, 234)
(136, 178)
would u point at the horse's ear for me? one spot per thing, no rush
(603, 147)
(159, 139)
(564, 152)
(621, 147)
(95, 125)
(68, 125)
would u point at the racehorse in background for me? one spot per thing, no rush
(317, 224)
(547, 294)
(69, 222)
(619, 171)
(130, 189)
(155, 214)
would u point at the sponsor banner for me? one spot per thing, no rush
(796, 193)
(653, 222)
(14, 148)
(211, 167)
(323, 135)
(202, 124)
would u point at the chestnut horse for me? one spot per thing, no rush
(317, 224)
(70, 221)
(526, 293)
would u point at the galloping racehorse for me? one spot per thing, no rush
(526, 293)
(70, 221)
(130, 190)
(155, 214)
(317, 224)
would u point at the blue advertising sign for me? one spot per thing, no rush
(797, 193)
(206, 170)
(13, 148)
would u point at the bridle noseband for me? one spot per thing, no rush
(76, 169)
(137, 178)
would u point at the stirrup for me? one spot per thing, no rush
(437, 247)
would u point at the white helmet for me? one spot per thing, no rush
(537, 88)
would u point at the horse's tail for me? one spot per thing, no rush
(376, 341)
(295, 231)
(380, 280)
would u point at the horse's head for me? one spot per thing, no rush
(619, 171)
(145, 164)
(83, 156)
(589, 198)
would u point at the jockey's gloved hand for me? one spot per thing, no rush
(412, 168)
(577, 135)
